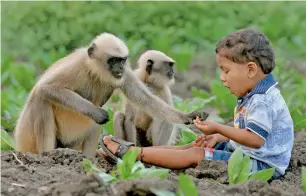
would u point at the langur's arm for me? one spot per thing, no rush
(162, 133)
(73, 101)
(139, 95)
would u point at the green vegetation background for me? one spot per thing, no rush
(35, 34)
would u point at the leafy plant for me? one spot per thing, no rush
(7, 141)
(185, 185)
(91, 168)
(127, 168)
(109, 126)
(186, 135)
(239, 168)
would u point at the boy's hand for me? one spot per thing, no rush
(199, 141)
(207, 127)
(206, 141)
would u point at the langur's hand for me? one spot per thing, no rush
(202, 115)
(100, 116)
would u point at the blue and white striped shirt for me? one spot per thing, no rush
(265, 112)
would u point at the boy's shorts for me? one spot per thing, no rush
(221, 152)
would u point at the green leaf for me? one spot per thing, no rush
(187, 135)
(126, 165)
(301, 124)
(87, 165)
(7, 141)
(245, 170)
(121, 167)
(112, 173)
(187, 186)
(150, 172)
(158, 192)
(138, 166)
(107, 179)
(263, 175)
(303, 181)
(109, 126)
(234, 165)
(90, 168)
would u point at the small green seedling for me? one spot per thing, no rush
(186, 135)
(7, 141)
(127, 168)
(91, 168)
(185, 185)
(239, 168)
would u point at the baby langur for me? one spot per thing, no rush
(155, 70)
(65, 104)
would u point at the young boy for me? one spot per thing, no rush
(263, 127)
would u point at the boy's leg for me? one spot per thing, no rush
(163, 157)
(174, 147)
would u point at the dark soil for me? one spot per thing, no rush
(60, 172)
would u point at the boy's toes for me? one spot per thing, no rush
(107, 140)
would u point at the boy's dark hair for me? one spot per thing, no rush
(247, 45)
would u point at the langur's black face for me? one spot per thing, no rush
(170, 72)
(116, 65)
(165, 68)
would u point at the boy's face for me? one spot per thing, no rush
(234, 76)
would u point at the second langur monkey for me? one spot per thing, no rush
(155, 70)
(65, 104)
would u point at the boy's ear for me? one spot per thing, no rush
(252, 69)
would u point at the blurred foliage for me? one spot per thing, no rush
(176, 28)
(35, 34)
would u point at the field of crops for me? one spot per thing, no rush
(35, 34)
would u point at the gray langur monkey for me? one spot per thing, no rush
(155, 70)
(64, 106)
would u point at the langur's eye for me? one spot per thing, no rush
(171, 64)
(116, 60)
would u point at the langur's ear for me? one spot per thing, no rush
(149, 66)
(91, 49)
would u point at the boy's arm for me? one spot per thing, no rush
(222, 138)
(241, 136)
(258, 126)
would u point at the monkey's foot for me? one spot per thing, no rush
(114, 148)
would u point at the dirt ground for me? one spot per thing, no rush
(60, 172)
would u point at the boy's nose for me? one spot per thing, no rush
(222, 78)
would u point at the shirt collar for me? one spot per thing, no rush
(262, 87)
